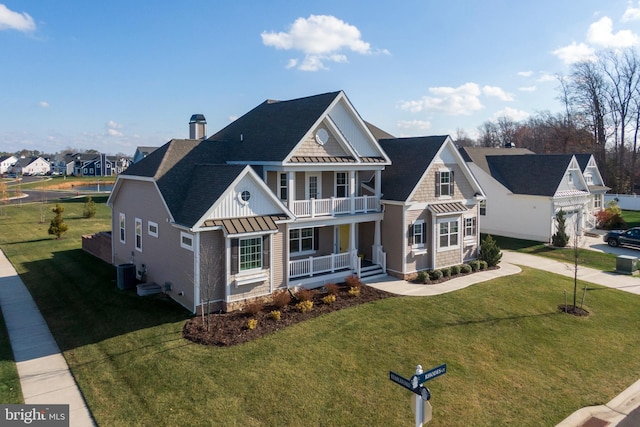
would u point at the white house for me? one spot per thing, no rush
(6, 162)
(32, 166)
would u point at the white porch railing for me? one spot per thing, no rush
(335, 206)
(324, 264)
(380, 258)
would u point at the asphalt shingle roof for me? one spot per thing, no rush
(410, 158)
(533, 174)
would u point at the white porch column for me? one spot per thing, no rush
(378, 184)
(352, 190)
(291, 193)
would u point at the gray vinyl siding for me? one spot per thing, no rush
(393, 238)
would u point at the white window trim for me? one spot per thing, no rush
(345, 185)
(138, 227)
(307, 177)
(418, 246)
(306, 252)
(251, 271)
(444, 196)
(151, 224)
(122, 227)
(451, 247)
(482, 205)
(184, 245)
(281, 187)
(464, 230)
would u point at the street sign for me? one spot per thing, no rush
(411, 385)
(430, 374)
(427, 410)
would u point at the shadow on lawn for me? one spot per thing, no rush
(78, 296)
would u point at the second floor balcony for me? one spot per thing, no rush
(335, 206)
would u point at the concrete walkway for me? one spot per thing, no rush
(44, 374)
(624, 409)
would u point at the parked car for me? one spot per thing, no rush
(630, 237)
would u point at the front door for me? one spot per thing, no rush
(341, 238)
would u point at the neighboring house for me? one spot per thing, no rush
(287, 195)
(6, 162)
(92, 164)
(141, 153)
(596, 185)
(525, 191)
(430, 200)
(31, 166)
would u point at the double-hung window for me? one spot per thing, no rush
(597, 201)
(301, 240)
(342, 184)
(418, 233)
(123, 228)
(139, 234)
(283, 185)
(448, 233)
(250, 253)
(483, 207)
(470, 227)
(444, 183)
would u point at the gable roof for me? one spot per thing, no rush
(478, 155)
(532, 174)
(272, 129)
(410, 158)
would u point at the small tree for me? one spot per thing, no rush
(4, 196)
(490, 251)
(560, 238)
(89, 210)
(58, 227)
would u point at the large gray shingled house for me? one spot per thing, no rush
(293, 193)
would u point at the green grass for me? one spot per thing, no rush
(632, 218)
(10, 391)
(512, 358)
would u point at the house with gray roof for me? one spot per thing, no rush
(289, 194)
(6, 162)
(430, 200)
(525, 191)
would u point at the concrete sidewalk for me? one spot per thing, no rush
(44, 374)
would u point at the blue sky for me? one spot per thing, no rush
(120, 74)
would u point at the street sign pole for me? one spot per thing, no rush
(419, 405)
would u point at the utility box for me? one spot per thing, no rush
(626, 264)
(126, 276)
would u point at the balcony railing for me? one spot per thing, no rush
(335, 206)
(312, 266)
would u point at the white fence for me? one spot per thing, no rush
(629, 202)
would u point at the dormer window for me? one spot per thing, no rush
(589, 178)
(444, 183)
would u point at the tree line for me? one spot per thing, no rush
(601, 116)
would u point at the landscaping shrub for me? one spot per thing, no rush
(354, 291)
(275, 315)
(611, 217)
(304, 294)
(490, 251)
(435, 274)
(483, 265)
(252, 323)
(329, 299)
(304, 306)
(465, 268)
(281, 299)
(423, 276)
(353, 281)
(89, 210)
(455, 269)
(475, 265)
(332, 289)
(446, 271)
(560, 237)
(253, 307)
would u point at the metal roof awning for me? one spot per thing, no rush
(447, 208)
(252, 224)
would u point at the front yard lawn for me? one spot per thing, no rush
(512, 358)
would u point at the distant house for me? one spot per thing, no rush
(6, 162)
(141, 153)
(92, 164)
(31, 166)
(525, 191)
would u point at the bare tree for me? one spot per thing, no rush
(211, 274)
(488, 134)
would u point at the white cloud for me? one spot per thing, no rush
(321, 38)
(631, 14)
(547, 77)
(528, 88)
(525, 73)
(461, 100)
(497, 92)
(112, 129)
(10, 20)
(43, 104)
(601, 33)
(575, 52)
(414, 124)
(514, 114)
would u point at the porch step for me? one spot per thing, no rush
(370, 271)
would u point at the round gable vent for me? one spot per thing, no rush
(322, 136)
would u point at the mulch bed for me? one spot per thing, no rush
(228, 329)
